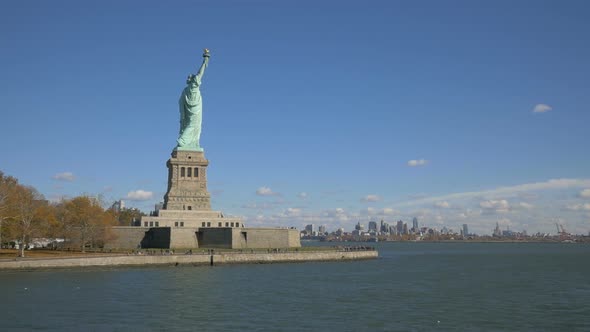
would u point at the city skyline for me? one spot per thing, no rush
(459, 113)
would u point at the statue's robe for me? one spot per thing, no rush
(191, 110)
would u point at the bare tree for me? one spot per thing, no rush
(7, 189)
(27, 203)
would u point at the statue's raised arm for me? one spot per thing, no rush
(191, 108)
(204, 65)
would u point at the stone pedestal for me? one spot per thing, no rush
(187, 182)
(187, 202)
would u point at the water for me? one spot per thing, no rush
(412, 286)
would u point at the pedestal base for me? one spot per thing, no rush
(187, 182)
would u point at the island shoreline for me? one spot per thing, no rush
(184, 259)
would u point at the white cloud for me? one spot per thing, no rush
(442, 204)
(468, 213)
(525, 205)
(139, 195)
(369, 211)
(262, 205)
(542, 108)
(302, 195)
(339, 211)
(577, 207)
(417, 162)
(504, 191)
(266, 191)
(585, 193)
(256, 206)
(65, 176)
(371, 198)
(495, 205)
(385, 212)
(292, 212)
(389, 211)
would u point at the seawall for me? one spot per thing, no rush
(196, 259)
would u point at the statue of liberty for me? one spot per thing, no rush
(191, 109)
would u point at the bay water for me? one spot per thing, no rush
(411, 287)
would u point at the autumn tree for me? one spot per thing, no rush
(7, 188)
(86, 221)
(27, 221)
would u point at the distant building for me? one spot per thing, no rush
(508, 233)
(392, 230)
(118, 205)
(372, 226)
(322, 230)
(157, 208)
(415, 227)
(309, 229)
(497, 231)
(400, 227)
(465, 230)
(359, 227)
(384, 227)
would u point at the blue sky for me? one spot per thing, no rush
(324, 112)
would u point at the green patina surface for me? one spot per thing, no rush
(191, 110)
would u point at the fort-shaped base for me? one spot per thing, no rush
(195, 219)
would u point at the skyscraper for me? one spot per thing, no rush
(400, 227)
(384, 227)
(372, 226)
(497, 231)
(465, 230)
(415, 225)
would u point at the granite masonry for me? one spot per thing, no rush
(187, 221)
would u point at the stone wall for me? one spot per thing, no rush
(229, 258)
(158, 237)
(265, 238)
(183, 238)
(216, 237)
(195, 237)
(293, 257)
(189, 219)
(126, 237)
(294, 238)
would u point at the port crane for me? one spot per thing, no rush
(563, 234)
